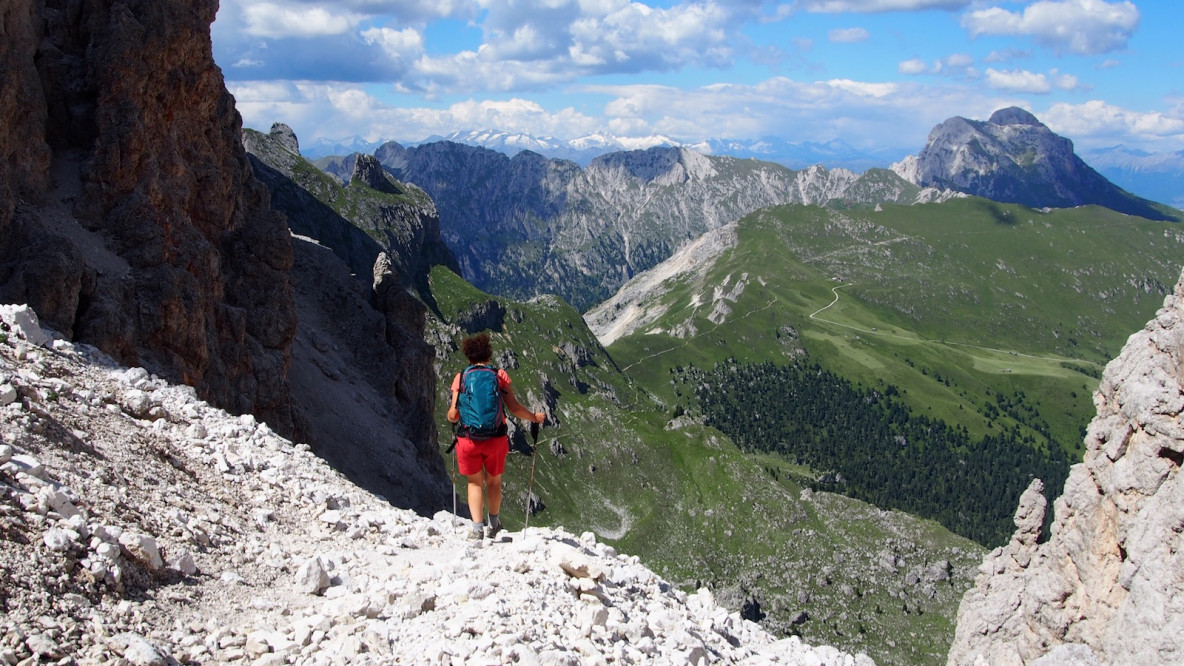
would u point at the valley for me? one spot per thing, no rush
(986, 321)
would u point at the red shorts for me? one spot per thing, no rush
(489, 454)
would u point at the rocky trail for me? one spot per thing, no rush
(139, 525)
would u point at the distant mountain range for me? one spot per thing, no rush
(582, 150)
(1155, 176)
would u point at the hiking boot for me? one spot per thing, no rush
(494, 529)
(476, 533)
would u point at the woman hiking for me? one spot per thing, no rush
(480, 396)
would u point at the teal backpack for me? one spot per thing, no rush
(482, 415)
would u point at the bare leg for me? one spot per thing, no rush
(477, 496)
(493, 487)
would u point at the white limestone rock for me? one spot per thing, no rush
(1107, 579)
(143, 548)
(23, 323)
(311, 577)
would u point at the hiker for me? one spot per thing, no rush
(482, 444)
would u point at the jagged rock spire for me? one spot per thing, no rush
(368, 170)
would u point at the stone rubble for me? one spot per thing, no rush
(139, 525)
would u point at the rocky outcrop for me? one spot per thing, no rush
(1105, 584)
(130, 218)
(132, 221)
(369, 214)
(363, 383)
(1014, 158)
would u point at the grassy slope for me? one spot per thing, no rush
(694, 508)
(955, 303)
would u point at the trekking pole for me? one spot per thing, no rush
(534, 451)
(455, 468)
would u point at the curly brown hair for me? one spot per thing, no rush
(477, 348)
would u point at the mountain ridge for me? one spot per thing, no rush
(835, 153)
(207, 538)
(527, 225)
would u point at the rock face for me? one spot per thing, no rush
(529, 225)
(372, 213)
(363, 380)
(130, 218)
(1014, 158)
(1106, 583)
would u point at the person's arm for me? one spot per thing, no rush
(453, 412)
(518, 410)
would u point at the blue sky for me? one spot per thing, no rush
(878, 74)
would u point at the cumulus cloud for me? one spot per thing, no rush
(1018, 80)
(1100, 123)
(1086, 27)
(524, 45)
(913, 66)
(848, 35)
(267, 19)
(335, 111)
(872, 6)
(861, 113)
(403, 44)
(528, 46)
(1023, 81)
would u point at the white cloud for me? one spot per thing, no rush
(545, 42)
(956, 64)
(334, 111)
(1100, 123)
(1006, 55)
(1086, 27)
(1018, 80)
(871, 6)
(267, 19)
(861, 113)
(400, 44)
(1063, 81)
(914, 66)
(848, 35)
(864, 89)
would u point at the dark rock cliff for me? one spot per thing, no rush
(131, 220)
(363, 377)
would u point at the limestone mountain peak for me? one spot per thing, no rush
(1014, 158)
(1013, 115)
